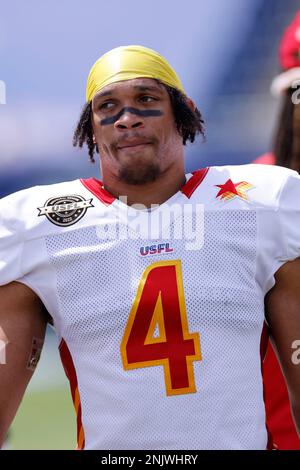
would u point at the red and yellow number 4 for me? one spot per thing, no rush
(157, 329)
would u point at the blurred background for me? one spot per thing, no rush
(225, 52)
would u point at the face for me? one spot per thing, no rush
(135, 131)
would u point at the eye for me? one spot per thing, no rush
(106, 105)
(148, 99)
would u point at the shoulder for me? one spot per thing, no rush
(257, 172)
(260, 184)
(20, 210)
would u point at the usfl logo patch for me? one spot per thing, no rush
(65, 210)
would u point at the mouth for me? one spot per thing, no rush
(133, 145)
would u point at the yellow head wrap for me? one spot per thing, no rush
(126, 63)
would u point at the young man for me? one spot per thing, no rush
(155, 281)
(286, 153)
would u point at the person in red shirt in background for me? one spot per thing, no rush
(286, 152)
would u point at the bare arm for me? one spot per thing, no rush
(22, 318)
(283, 314)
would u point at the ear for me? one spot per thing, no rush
(94, 140)
(190, 103)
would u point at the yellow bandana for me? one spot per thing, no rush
(126, 63)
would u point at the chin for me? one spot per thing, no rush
(137, 174)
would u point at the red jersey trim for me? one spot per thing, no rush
(195, 181)
(95, 187)
(70, 371)
(264, 340)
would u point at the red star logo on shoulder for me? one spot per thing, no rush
(230, 190)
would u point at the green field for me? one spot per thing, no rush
(45, 420)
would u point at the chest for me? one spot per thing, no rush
(101, 277)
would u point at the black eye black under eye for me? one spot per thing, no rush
(137, 112)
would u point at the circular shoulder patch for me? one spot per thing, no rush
(65, 210)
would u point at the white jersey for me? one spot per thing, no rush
(159, 313)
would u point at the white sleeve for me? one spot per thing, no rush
(11, 243)
(289, 216)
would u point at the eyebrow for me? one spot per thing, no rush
(147, 88)
(136, 87)
(104, 93)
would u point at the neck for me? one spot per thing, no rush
(156, 192)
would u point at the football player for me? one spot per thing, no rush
(155, 280)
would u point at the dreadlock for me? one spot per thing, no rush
(188, 122)
(287, 135)
(84, 131)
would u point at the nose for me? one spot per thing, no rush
(129, 120)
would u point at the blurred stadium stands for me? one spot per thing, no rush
(241, 113)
